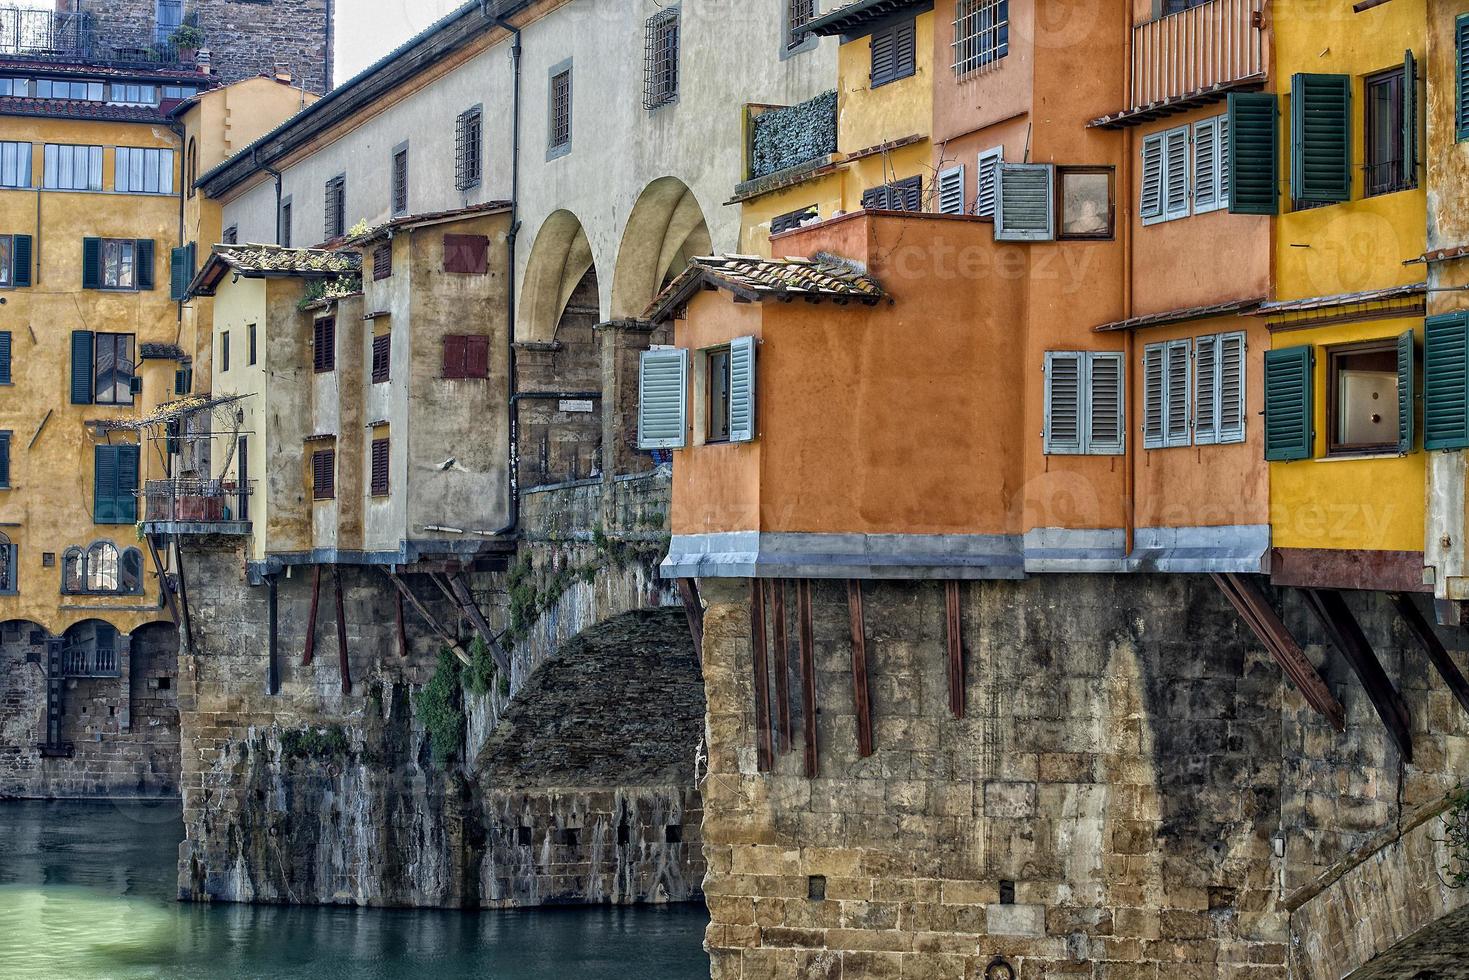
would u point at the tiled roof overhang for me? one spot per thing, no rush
(271, 261)
(1183, 315)
(1179, 103)
(856, 18)
(753, 279)
(1337, 300)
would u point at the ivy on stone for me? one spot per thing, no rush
(438, 707)
(793, 135)
(1456, 830)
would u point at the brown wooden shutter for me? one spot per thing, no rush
(324, 344)
(454, 356)
(379, 467)
(382, 261)
(382, 349)
(323, 474)
(466, 254)
(476, 357)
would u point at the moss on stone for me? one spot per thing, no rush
(438, 707)
(326, 742)
(1456, 837)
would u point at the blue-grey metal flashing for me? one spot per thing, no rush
(408, 552)
(1063, 549)
(1237, 548)
(198, 528)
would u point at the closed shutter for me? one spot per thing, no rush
(662, 399)
(181, 271)
(324, 344)
(905, 49)
(477, 357)
(742, 389)
(1446, 381)
(381, 357)
(951, 191)
(4, 357)
(1410, 119)
(454, 348)
(1150, 198)
(1063, 421)
(1461, 77)
(1175, 173)
(143, 257)
(1254, 156)
(1320, 152)
(1288, 404)
(909, 192)
(379, 485)
(5, 464)
(1407, 354)
(1176, 425)
(82, 354)
(1023, 207)
(1206, 165)
(894, 53)
(104, 485)
(91, 263)
(127, 484)
(1231, 410)
(20, 260)
(1206, 390)
(1104, 426)
(882, 58)
(1155, 409)
(986, 180)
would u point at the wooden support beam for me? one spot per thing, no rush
(398, 621)
(861, 695)
(164, 585)
(764, 756)
(465, 599)
(693, 607)
(1244, 594)
(311, 617)
(444, 635)
(272, 663)
(807, 638)
(1429, 641)
(954, 631)
(342, 663)
(1332, 610)
(178, 550)
(782, 665)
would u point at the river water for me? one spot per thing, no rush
(87, 891)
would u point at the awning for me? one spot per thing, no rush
(1240, 306)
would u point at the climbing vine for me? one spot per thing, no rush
(438, 707)
(481, 674)
(1456, 827)
(528, 601)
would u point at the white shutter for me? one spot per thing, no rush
(986, 179)
(1232, 387)
(1206, 165)
(1154, 405)
(742, 389)
(1063, 422)
(951, 191)
(1023, 203)
(1175, 173)
(1176, 431)
(1223, 167)
(1150, 200)
(1206, 390)
(1104, 434)
(662, 399)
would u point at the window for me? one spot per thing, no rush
(382, 261)
(466, 356)
(7, 566)
(1389, 135)
(382, 350)
(717, 423)
(183, 378)
(660, 59)
(114, 499)
(1083, 403)
(117, 263)
(5, 460)
(1362, 398)
(1165, 178)
(792, 219)
(981, 34)
(900, 195)
(128, 93)
(1084, 200)
(250, 334)
(336, 207)
(894, 53)
(15, 164)
(986, 180)
(113, 372)
(799, 13)
(379, 480)
(731, 392)
(466, 254)
(232, 235)
(180, 92)
(468, 148)
(58, 88)
(142, 171)
(400, 179)
(224, 350)
(72, 168)
(169, 17)
(560, 135)
(324, 474)
(20, 88)
(324, 344)
(284, 231)
(6, 260)
(191, 168)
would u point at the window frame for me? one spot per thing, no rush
(224, 351)
(560, 110)
(335, 209)
(324, 344)
(380, 480)
(399, 180)
(469, 130)
(798, 13)
(1059, 190)
(50, 169)
(117, 341)
(1334, 352)
(1396, 77)
(382, 358)
(117, 244)
(23, 154)
(717, 406)
(80, 558)
(324, 461)
(970, 52)
(250, 343)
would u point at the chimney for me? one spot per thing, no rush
(201, 58)
(283, 73)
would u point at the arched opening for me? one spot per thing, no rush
(90, 649)
(102, 569)
(664, 231)
(191, 167)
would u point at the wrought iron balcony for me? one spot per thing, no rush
(76, 36)
(196, 507)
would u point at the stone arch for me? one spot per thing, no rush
(154, 671)
(665, 229)
(92, 648)
(560, 262)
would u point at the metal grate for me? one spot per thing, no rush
(799, 13)
(981, 34)
(561, 109)
(660, 60)
(336, 207)
(400, 180)
(468, 130)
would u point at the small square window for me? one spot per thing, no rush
(324, 474)
(1084, 201)
(561, 110)
(1362, 398)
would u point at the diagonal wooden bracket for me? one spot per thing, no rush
(1428, 639)
(447, 638)
(1332, 610)
(693, 607)
(1244, 594)
(861, 694)
(459, 594)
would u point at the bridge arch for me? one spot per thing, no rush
(560, 265)
(665, 229)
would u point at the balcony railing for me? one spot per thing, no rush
(89, 659)
(1196, 50)
(198, 506)
(61, 35)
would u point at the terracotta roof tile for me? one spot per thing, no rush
(753, 278)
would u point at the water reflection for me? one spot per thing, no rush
(86, 891)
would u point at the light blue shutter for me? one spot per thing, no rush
(1176, 384)
(1206, 165)
(1150, 200)
(1023, 211)
(742, 389)
(986, 178)
(1104, 411)
(662, 399)
(1206, 390)
(1231, 387)
(1223, 192)
(1154, 405)
(1175, 173)
(1063, 422)
(951, 191)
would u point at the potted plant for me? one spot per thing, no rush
(187, 39)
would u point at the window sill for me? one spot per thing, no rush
(1370, 454)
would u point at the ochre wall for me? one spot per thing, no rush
(869, 116)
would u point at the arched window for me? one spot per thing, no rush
(72, 579)
(132, 571)
(7, 566)
(102, 572)
(191, 167)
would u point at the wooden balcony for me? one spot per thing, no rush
(1192, 58)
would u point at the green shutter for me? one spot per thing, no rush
(1407, 351)
(4, 357)
(1446, 381)
(1410, 119)
(143, 261)
(20, 260)
(742, 389)
(5, 460)
(1461, 77)
(1254, 153)
(1320, 138)
(81, 367)
(104, 485)
(91, 263)
(180, 271)
(1288, 404)
(125, 494)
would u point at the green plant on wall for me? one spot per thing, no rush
(481, 674)
(1456, 837)
(438, 708)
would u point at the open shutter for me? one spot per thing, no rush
(1254, 156)
(1320, 138)
(1150, 200)
(1154, 410)
(1288, 404)
(1410, 119)
(1175, 173)
(104, 485)
(883, 54)
(1206, 165)
(180, 271)
(951, 191)
(1461, 77)
(81, 367)
(125, 494)
(4, 357)
(742, 389)
(1104, 433)
(1063, 422)
(662, 399)
(1023, 203)
(1206, 390)
(91, 263)
(986, 179)
(20, 260)
(1221, 192)
(1407, 353)
(1446, 381)
(143, 256)
(1231, 410)
(1176, 430)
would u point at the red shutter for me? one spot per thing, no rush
(323, 474)
(379, 467)
(454, 351)
(381, 357)
(476, 357)
(466, 254)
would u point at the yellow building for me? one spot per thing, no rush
(1346, 319)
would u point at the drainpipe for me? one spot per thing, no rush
(1130, 438)
(255, 161)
